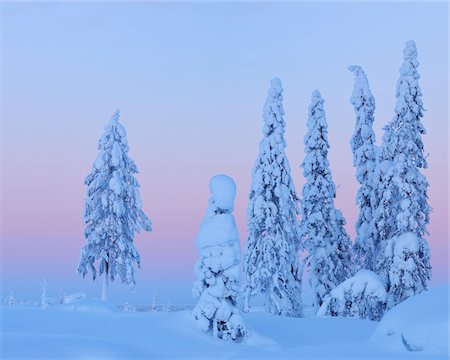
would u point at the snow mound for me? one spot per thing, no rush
(94, 306)
(223, 191)
(419, 324)
(362, 296)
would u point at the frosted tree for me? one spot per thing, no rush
(364, 160)
(44, 300)
(113, 211)
(271, 264)
(10, 301)
(154, 305)
(403, 211)
(322, 230)
(218, 268)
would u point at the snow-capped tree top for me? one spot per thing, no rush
(275, 84)
(316, 141)
(362, 96)
(223, 191)
(409, 53)
(363, 139)
(273, 109)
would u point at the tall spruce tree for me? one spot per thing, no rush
(322, 226)
(403, 261)
(113, 211)
(271, 263)
(364, 160)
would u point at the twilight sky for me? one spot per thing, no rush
(190, 80)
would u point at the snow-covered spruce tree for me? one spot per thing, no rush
(403, 261)
(113, 210)
(271, 264)
(322, 230)
(364, 160)
(218, 268)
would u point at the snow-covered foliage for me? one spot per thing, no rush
(113, 209)
(364, 160)
(322, 226)
(217, 286)
(271, 255)
(362, 296)
(403, 207)
(404, 256)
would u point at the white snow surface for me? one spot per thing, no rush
(418, 325)
(223, 191)
(97, 330)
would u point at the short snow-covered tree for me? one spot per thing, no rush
(364, 160)
(271, 264)
(10, 301)
(362, 296)
(154, 305)
(218, 268)
(403, 261)
(322, 226)
(113, 210)
(44, 300)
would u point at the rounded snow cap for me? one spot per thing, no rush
(410, 50)
(223, 191)
(275, 83)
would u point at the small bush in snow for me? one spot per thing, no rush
(362, 296)
(217, 285)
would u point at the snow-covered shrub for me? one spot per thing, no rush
(113, 210)
(217, 270)
(322, 226)
(403, 209)
(362, 296)
(364, 160)
(271, 264)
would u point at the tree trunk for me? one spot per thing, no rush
(105, 283)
